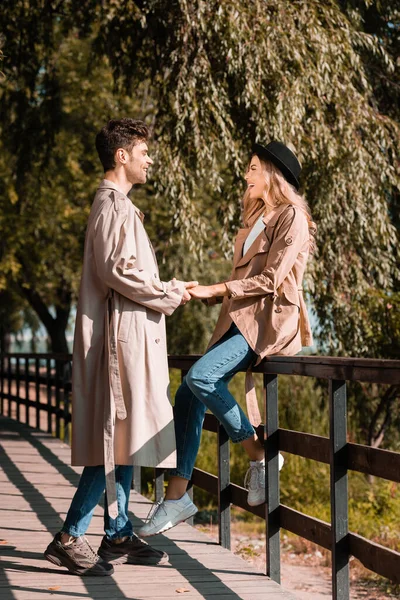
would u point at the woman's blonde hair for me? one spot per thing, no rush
(277, 191)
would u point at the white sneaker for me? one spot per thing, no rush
(254, 481)
(165, 514)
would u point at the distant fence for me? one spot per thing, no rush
(33, 385)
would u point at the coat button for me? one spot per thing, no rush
(157, 340)
(289, 241)
(278, 309)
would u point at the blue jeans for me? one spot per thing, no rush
(206, 386)
(90, 489)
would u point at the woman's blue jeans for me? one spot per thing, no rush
(90, 489)
(206, 386)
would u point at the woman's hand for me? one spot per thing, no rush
(202, 292)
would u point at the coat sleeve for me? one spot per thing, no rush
(290, 236)
(115, 253)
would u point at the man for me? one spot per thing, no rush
(121, 413)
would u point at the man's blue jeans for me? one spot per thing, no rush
(206, 386)
(90, 489)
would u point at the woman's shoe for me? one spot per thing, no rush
(165, 514)
(254, 481)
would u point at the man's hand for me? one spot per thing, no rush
(186, 297)
(188, 285)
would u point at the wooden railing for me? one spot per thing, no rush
(48, 377)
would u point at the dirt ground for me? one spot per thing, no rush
(305, 569)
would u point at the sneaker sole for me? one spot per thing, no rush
(256, 502)
(64, 561)
(169, 525)
(123, 560)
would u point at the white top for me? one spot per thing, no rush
(255, 232)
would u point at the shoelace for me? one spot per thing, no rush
(154, 510)
(88, 551)
(253, 478)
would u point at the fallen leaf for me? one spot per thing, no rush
(182, 590)
(56, 587)
(3, 542)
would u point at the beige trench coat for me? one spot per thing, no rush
(265, 291)
(121, 410)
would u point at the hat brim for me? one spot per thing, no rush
(263, 152)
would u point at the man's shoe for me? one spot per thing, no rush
(132, 551)
(254, 481)
(77, 556)
(165, 514)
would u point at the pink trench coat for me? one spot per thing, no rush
(265, 291)
(121, 410)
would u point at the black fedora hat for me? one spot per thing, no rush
(281, 157)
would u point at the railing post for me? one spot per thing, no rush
(27, 388)
(9, 379)
(272, 518)
(2, 385)
(189, 490)
(58, 399)
(66, 408)
(17, 388)
(224, 500)
(137, 479)
(158, 484)
(37, 392)
(49, 396)
(339, 494)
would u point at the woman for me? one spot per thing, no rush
(263, 313)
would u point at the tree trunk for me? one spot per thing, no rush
(55, 326)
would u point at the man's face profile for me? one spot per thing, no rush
(135, 163)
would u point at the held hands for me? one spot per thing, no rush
(186, 295)
(203, 292)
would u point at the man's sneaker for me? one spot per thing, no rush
(132, 551)
(77, 556)
(254, 481)
(166, 514)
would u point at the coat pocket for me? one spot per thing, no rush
(124, 325)
(291, 294)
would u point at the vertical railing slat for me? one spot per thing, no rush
(272, 519)
(37, 392)
(27, 393)
(58, 397)
(190, 488)
(17, 388)
(158, 484)
(2, 385)
(49, 395)
(224, 500)
(339, 490)
(66, 409)
(137, 479)
(9, 379)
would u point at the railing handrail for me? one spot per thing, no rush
(379, 370)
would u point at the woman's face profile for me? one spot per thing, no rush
(255, 178)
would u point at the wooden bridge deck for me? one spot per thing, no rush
(36, 487)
